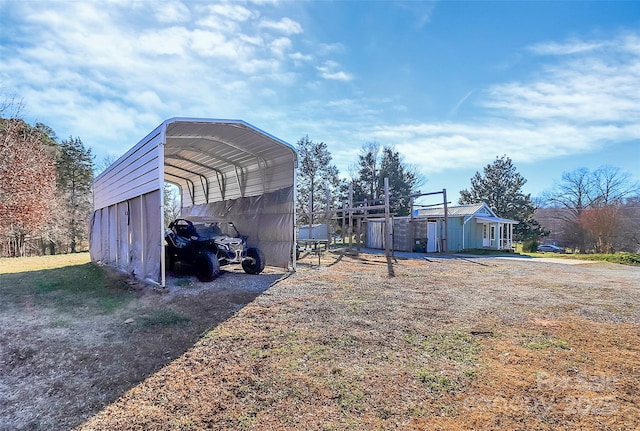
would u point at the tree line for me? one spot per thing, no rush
(320, 189)
(45, 190)
(46, 194)
(588, 211)
(594, 211)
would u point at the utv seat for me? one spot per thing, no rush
(185, 229)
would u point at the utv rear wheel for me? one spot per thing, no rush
(254, 263)
(207, 266)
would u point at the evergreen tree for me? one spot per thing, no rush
(366, 185)
(317, 177)
(374, 165)
(500, 187)
(402, 181)
(75, 178)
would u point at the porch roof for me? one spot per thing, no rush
(490, 219)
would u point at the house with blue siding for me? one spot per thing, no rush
(466, 226)
(472, 226)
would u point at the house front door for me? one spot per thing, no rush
(486, 242)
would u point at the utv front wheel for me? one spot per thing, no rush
(207, 266)
(254, 263)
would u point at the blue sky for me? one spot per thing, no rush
(451, 85)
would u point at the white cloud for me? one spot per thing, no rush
(330, 70)
(580, 89)
(165, 41)
(172, 12)
(572, 47)
(421, 11)
(231, 11)
(280, 45)
(225, 18)
(285, 25)
(457, 106)
(442, 146)
(298, 56)
(104, 71)
(580, 104)
(329, 48)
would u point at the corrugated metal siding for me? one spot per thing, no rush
(452, 211)
(134, 174)
(127, 236)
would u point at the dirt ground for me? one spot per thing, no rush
(65, 355)
(444, 343)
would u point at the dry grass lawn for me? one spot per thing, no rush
(445, 344)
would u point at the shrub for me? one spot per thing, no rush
(530, 246)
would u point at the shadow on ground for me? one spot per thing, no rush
(74, 339)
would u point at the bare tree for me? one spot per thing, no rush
(610, 186)
(103, 163)
(172, 204)
(589, 205)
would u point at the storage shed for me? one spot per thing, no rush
(225, 169)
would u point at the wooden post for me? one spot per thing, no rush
(412, 230)
(445, 240)
(310, 216)
(344, 221)
(350, 230)
(327, 216)
(387, 224)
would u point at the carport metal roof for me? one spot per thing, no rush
(216, 160)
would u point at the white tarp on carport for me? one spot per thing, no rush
(225, 169)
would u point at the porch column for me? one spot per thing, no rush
(510, 235)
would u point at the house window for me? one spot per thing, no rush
(493, 233)
(484, 231)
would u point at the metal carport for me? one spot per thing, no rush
(226, 169)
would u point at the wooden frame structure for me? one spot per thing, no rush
(354, 214)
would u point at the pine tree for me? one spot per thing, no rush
(376, 164)
(75, 178)
(500, 187)
(317, 177)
